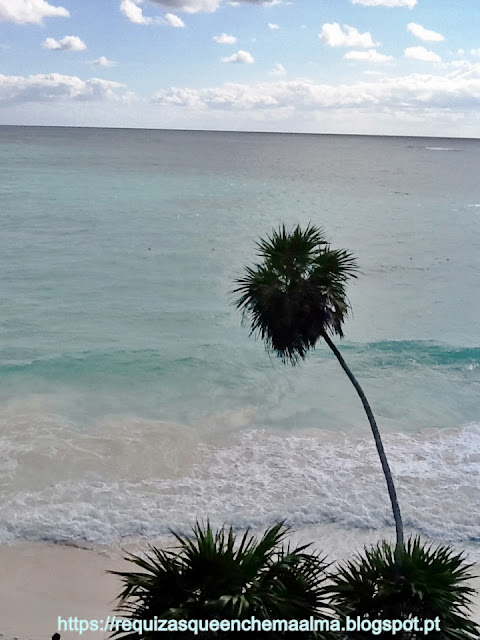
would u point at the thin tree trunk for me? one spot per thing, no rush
(378, 442)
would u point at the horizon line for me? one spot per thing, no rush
(300, 133)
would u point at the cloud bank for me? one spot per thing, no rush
(423, 103)
(457, 90)
(54, 87)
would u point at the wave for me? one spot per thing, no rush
(149, 362)
(412, 384)
(117, 485)
(407, 352)
(442, 149)
(244, 445)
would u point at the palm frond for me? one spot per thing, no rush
(297, 293)
(219, 575)
(422, 580)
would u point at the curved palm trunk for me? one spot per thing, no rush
(378, 442)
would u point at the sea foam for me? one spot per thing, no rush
(138, 479)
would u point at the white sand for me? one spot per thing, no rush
(39, 582)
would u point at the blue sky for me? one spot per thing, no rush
(397, 67)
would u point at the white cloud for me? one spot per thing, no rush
(29, 11)
(225, 38)
(54, 87)
(473, 52)
(424, 34)
(386, 3)
(241, 57)
(182, 97)
(273, 26)
(68, 43)
(416, 92)
(422, 54)
(333, 35)
(131, 9)
(133, 12)
(440, 103)
(102, 61)
(174, 21)
(278, 71)
(367, 56)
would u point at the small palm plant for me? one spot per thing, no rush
(217, 576)
(429, 583)
(297, 296)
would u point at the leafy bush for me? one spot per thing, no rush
(424, 581)
(215, 575)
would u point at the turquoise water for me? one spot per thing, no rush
(132, 400)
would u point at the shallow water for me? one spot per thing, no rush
(131, 399)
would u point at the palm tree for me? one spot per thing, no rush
(297, 296)
(436, 583)
(216, 575)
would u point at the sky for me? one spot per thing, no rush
(381, 67)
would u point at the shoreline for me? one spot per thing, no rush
(40, 581)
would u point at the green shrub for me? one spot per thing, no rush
(215, 575)
(426, 582)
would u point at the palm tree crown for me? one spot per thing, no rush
(297, 293)
(221, 575)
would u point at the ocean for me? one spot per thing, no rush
(132, 400)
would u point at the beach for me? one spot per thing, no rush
(39, 582)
